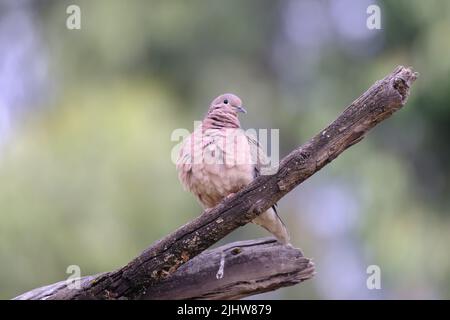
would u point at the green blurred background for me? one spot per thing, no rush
(86, 117)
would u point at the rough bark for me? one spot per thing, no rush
(232, 271)
(162, 259)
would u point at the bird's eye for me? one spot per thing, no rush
(225, 101)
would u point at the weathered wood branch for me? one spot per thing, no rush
(162, 259)
(235, 271)
(232, 271)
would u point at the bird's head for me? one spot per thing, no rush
(223, 111)
(228, 102)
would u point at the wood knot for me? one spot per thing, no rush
(402, 87)
(236, 251)
(256, 208)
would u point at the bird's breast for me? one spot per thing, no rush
(222, 165)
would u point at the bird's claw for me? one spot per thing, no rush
(230, 195)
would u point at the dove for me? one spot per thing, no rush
(218, 159)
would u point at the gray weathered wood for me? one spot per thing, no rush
(248, 268)
(232, 271)
(162, 259)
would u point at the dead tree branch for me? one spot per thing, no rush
(160, 261)
(232, 271)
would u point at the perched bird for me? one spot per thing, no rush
(218, 159)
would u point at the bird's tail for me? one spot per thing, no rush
(272, 223)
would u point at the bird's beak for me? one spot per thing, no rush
(240, 109)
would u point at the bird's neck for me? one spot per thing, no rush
(220, 120)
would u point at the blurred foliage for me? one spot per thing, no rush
(87, 177)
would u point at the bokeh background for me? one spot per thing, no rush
(86, 117)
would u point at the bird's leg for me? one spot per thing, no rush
(207, 210)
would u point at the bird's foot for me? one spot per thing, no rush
(230, 195)
(207, 210)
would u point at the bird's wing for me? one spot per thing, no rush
(259, 157)
(261, 160)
